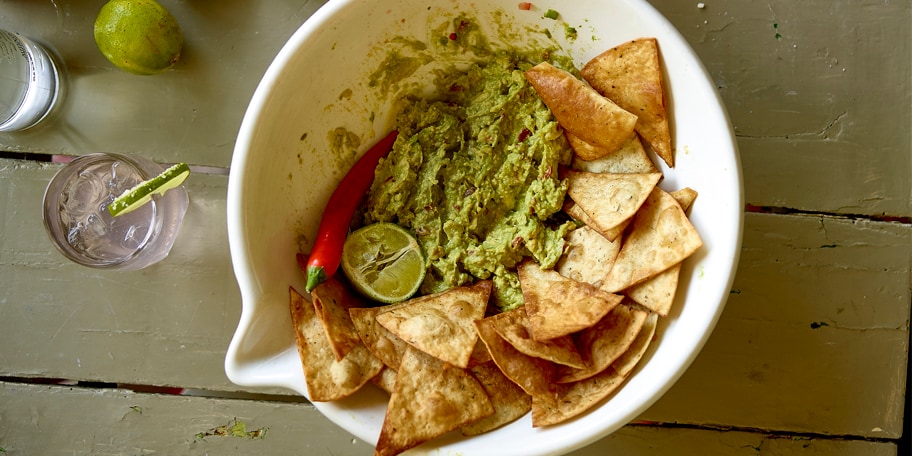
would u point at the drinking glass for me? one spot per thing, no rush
(78, 222)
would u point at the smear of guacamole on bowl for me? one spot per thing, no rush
(474, 174)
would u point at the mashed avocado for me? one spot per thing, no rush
(474, 175)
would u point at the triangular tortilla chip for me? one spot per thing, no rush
(533, 375)
(441, 324)
(685, 197)
(575, 398)
(584, 150)
(379, 340)
(588, 256)
(513, 327)
(661, 236)
(630, 158)
(610, 199)
(625, 364)
(331, 301)
(574, 210)
(326, 378)
(558, 306)
(386, 379)
(631, 76)
(581, 110)
(658, 292)
(509, 400)
(480, 354)
(430, 399)
(604, 343)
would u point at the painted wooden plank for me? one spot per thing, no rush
(664, 441)
(814, 337)
(820, 96)
(57, 420)
(849, 280)
(190, 114)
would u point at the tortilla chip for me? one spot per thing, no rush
(588, 256)
(574, 210)
(581, 110)
(480, 354)
(584, 150)
(326, 378)
(631, 76)
(509, 400)
(380, 341)
(533, 375)
(513, 327)
(657, 293)
(602, 344)
(386, 379)
(661, 236)
(331, 301)
(441, 324)
(685, 197)
(610, 199)
(430, 399)
(558, 306)
(575, 398)
(630, 158)
(625, 364)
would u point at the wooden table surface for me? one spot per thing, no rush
(810, 356)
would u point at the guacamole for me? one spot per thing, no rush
(474, 175)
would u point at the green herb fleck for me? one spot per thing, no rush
(136, 409)
(234, 428)
(570, 32)
(551, 14)
(776, 27)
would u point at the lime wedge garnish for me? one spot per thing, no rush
(135, 197)
(384, 262)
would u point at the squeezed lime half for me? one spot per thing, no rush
(384, 262)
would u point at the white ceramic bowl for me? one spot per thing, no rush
(282, 175)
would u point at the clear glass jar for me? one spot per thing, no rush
(30, 82)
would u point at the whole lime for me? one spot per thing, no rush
(139, 36)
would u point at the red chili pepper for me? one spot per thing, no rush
(327, 250)
(525, 6)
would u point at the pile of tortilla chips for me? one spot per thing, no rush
(449, 364)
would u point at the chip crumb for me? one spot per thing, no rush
(701, 5)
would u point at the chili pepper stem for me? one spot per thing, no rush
(315, 276)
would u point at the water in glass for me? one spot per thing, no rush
(78, 221)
